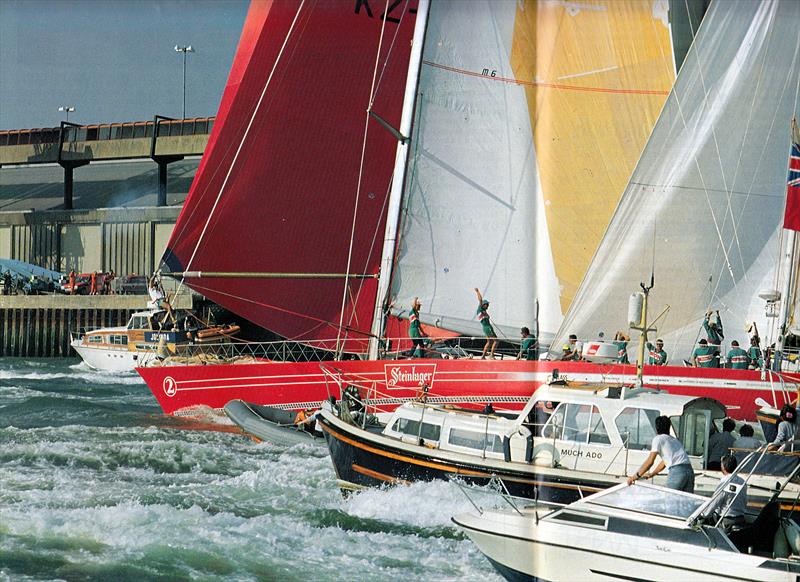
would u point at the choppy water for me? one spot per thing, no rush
(96, 484)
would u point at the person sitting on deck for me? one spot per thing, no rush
(658, 357)
(621, 343)
(746, 439)
(529, 348)
(737, 357)
(720, 443)
(787, 429)
(572, 350)
(705, 356)
(158, 300)
(488, 330)
(730, 496)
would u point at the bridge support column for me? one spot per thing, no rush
(163, 162)
(68, 179)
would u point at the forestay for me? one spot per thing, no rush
(703, 207)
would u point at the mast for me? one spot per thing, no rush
(398, 178)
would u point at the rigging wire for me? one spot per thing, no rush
(241, 143)
(339, 345)
(377, 230)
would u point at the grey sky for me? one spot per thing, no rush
(113, 60)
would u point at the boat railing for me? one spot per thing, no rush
(496, 491)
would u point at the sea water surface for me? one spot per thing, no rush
(97, 484)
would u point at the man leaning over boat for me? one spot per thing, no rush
(673, 457)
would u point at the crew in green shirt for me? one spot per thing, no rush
(754, 353)
(486, 324)
(714, 332)
(705, 355)
(415, 330)
(621, 343)
(658, 357)
(737, 357)
(529, 349)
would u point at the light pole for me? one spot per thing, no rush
(67, 109)
(184, 50)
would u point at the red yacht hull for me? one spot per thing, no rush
(505, 383)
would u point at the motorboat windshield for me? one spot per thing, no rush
(651, 500)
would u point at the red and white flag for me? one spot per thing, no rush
(791, 217)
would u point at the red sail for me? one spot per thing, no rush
(277, 188)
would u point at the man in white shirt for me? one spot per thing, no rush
(673, 457)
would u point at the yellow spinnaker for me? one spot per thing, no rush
(597, 73)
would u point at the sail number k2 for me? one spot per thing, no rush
(392, 14)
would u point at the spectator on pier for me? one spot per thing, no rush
(705, 356)
(93, 283)
(488, 330)
(737, 357)
(72, 278)
(529, 348)
(746, 439)
(7, 283)
(109, 280)
(572, 349)
(658, 357)
(415, 330)
(621, 343)
(720, 443)
(673, 457)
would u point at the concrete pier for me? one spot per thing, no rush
(39, 325)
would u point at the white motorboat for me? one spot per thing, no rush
(148, 335)
(638, 532)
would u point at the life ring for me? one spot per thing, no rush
(544, 449)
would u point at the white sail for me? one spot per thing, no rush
(515, 110)
(703, 208)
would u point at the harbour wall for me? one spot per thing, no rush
(39, 326)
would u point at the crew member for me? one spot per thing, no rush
(621, 343)
(488, 330)
(705, 356)
(572, 349)
(754, 354)
(737, 357)
(529, 348)
(415, 330)
(714, 333)
(658, 357)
